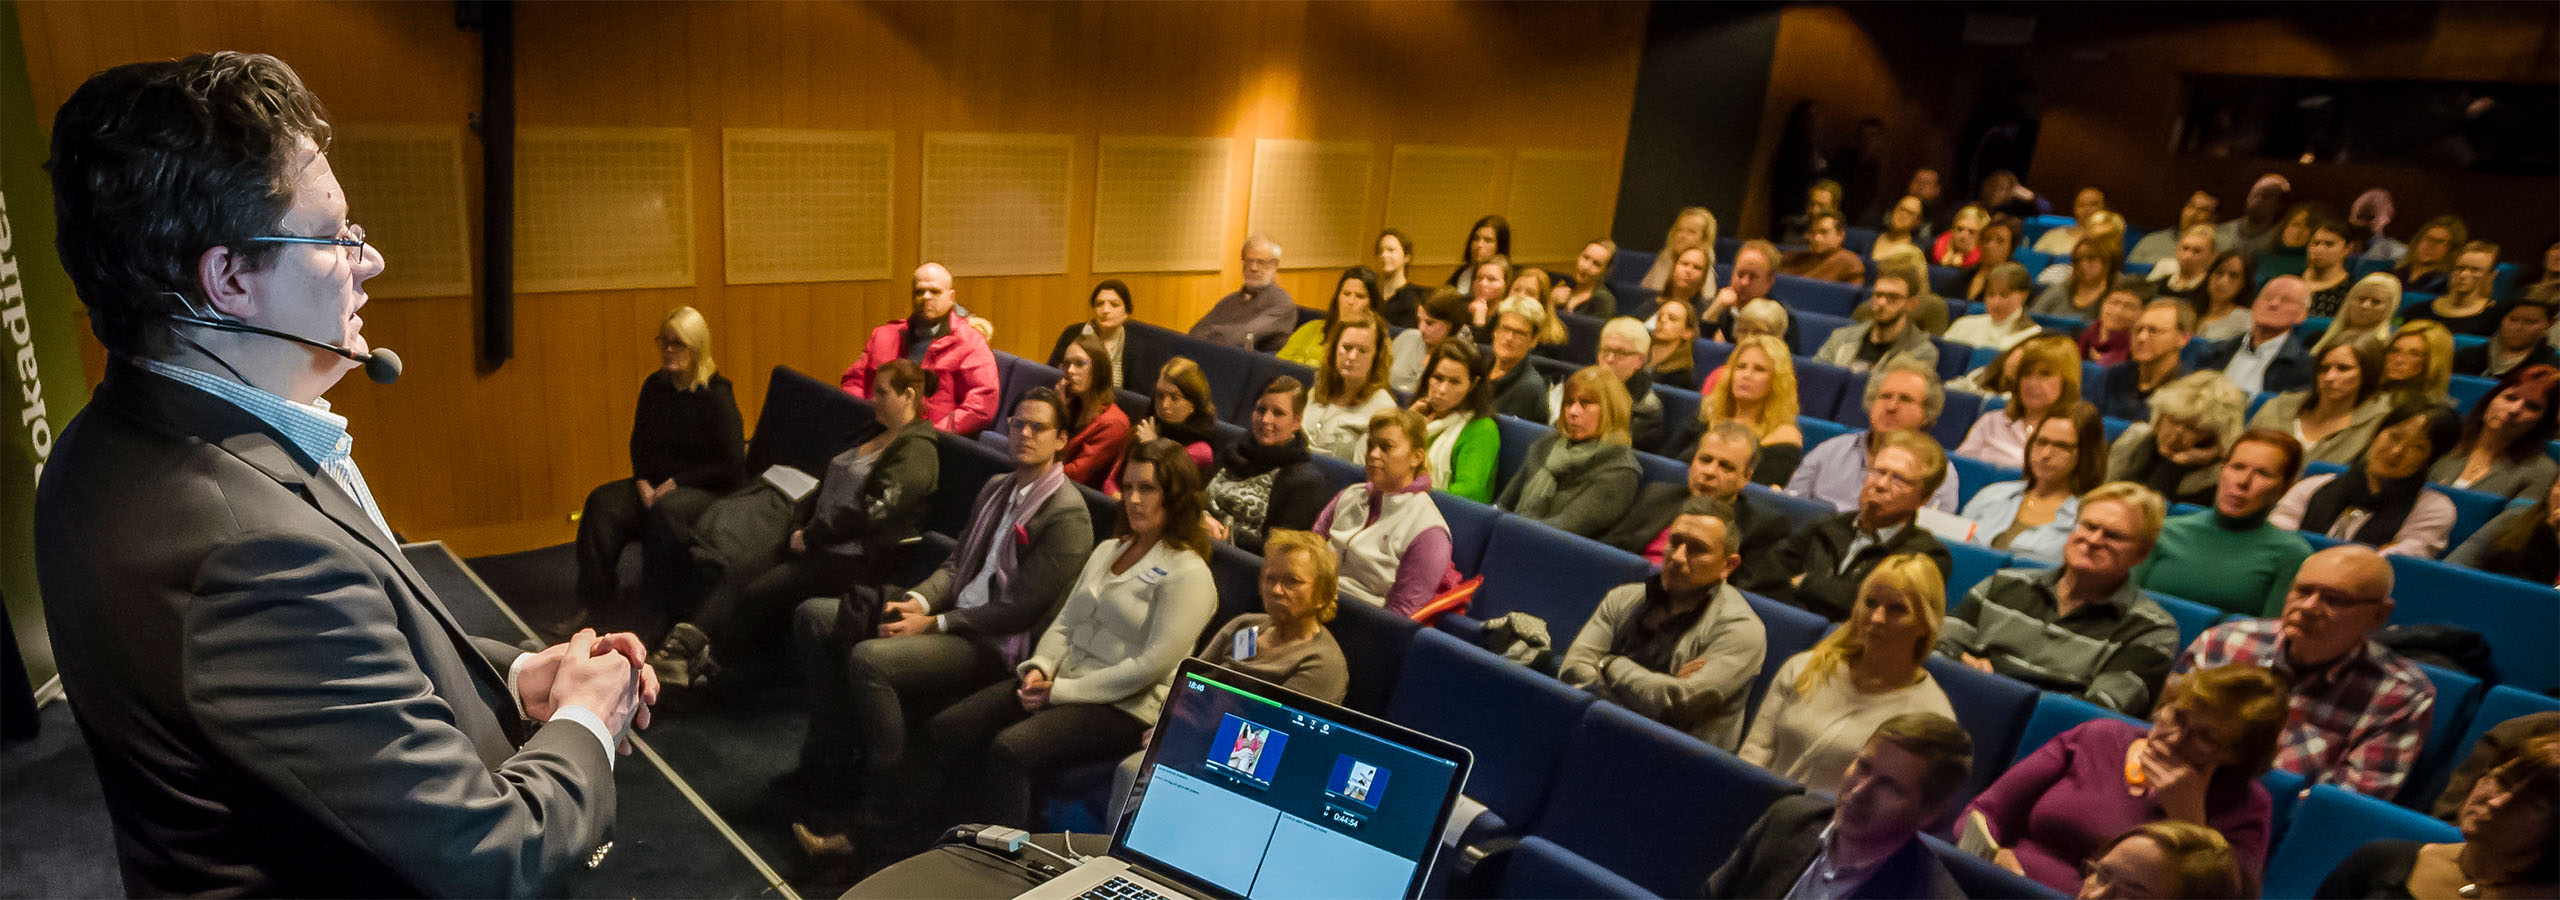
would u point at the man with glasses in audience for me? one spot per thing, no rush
(2160, 335)
(1719, 468)
(1258, 313)
(1866, 844)
(1821, 567)
(1755, 268)
(2084, 629)
(963, 628)
(1625, 345)
(1902, 395)
(2360, 711)
(2270, 358)
(1681, 647)
(1889, 335)
(936, 336)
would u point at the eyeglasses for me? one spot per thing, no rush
(1023, 425)
(665, 343)
(353, 242)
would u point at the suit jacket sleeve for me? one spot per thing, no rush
(1061, 539)
(937, 588)
(296, 655)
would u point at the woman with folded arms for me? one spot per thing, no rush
(1099, 429)
(1461, 444)
(2031, 517)
(2507, 849)
(2382, 500)
(1097, 677)
(1581, 477)
(1393, 544)
(2047, 379)
(1756, 387)
(1268, 481)
(1823, 703)
(2337, 415)
(2503, 439)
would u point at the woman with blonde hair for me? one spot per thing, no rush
(2091, 274)
(1756, 387)
(2164, 860)
(2417, 363)
(2365, 315)
(1581, 477)
(1588, 292)
(688, 448)
(1961, 246)
(1692, 277)
(1693, 227)
(1490, 285)
(1823, 703)
(2046, 380)
(1393, 541)
(1350, 388)
(2194, 422)
(1533, 283)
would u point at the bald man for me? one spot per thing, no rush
(963, 399)
(2360, 711)
(2271, 357)
(1257, 314)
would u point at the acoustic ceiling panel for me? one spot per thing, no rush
(800, 206)
(1560, 199)
(1309, 198)
(603, 209)
(1160, 204)
(996, 204)
(1437, 193)
(404, 185)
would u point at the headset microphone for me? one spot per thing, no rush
(382, 365)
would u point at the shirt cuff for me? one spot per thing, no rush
(941, 625)
(515, 669)
(594, 724)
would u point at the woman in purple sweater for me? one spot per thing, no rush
(2216, 730)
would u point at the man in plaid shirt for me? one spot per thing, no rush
(2360, 712)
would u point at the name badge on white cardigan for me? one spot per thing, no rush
(1153, 575)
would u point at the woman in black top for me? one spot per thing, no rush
(1488, 239)
(1130, 359)
(2507, 847)
(1403, 303)
(688, 448)
(1267, 482)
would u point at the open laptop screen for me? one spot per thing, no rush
(1253, 792)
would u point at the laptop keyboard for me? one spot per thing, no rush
(1122, 889)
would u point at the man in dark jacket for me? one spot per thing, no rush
(1821, 567)
(1719, 468)
(1867, 844)
(2270, 359)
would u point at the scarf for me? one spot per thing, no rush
(2384, 510)
(973, 545)
(1653, 637)
(1567, 461)
(1441, 437)
(1249, 458)
(1182, 432)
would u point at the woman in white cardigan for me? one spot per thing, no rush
(1097, 678)
(1392, 541)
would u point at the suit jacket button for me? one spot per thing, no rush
(597, 858)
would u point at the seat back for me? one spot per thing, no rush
(1337, 474)
(1813, 328)
(1679, 408)
(1629, 266)
(966, 466)
(1238, 577)
(1666, 830)
(1581, 338)
(1791, 630)
(1972, 564)
(2467, 390)
(1658, 469)
(1980, 878)
(1536, 569)
(1516, 434)
(1515, 721)
(1538, 869)
(2498, 704)
(2471, 509)
(1816, 431)
(2284, 796)
(2517, 617)
(1995, 709)
(1972, 475)
(1956, 417)
(1373, 642)
(2331, 823)
(2456, 695)
(1816, 296)
(2057, 713)
(1798, 512)
(1470, 527)
(804, 423)
(1821, 389)
(2193, 618)
(1230, 371)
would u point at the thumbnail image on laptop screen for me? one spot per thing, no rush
(1260, 799)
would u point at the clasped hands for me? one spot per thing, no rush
(608, 675)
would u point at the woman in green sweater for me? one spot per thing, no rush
(2229, 557)
(1456, 404)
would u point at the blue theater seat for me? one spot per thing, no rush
(1954, 359)
(1470, 527)
(1373, 642)
(2193, 618)
(2517, 617)
(1679, 408)
(1791, 630)
(1817, 431)
(1666, 831)
(1812, 295)
(1629, 266)
(1515, 720)
(1516, 434)
(2284, 796)
(1950, 282)
(1981, 878)
(2332, 823)
(1858, 240)
(1018, 377)
(1634, 300)
(1581, 338)
(1538, 869)
(1558, 577)
(2468, 389)
(1813, 328)
(1709, 356)
(2057, 713)
(2471, 509)
(1956, 417)
(2457, 694)
(2497, 704)
(1972, 564)
(1338, 474)
(1238, 576)
(1230, 372)
(1822, 389)
(1659, 469)
(805, 422)
(1972, 475)
(1799, 512)
(1104, 511)
(1995, 709)
(1555, 371)
(965, 466)
(1265, 368)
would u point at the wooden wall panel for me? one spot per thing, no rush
(498, 459)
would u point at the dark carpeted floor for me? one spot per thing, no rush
(54, 839)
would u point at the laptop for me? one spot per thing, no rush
(1254, 790)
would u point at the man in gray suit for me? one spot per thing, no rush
(276, 702)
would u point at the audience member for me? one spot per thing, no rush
(2523, 542)
(2503, 439)
(1404, 296)
(2360, 711)
(1867, 844)
(1393, 544)
(1754, 274)
(2108, 340)
(2183, 275)
(2194, 421)
(2336, 417)
(2003, 321)
(1127, 354)
(2497, 745)
(2163, 860)
(687, 449)
(2429, 264)
(1182, 412)
(1580, 477)
(1488, 239)
(1268, 481)
(2198, 762)
(1961, 246)
(1681, 647)
(1623, 346)
(2160, 335)
(1350, 388)
(1443, 316)
(1353, 301)
(2085, 204)
(2367, 314)
(2549, 279)
(1492, 282)
(1100, 427)
(1258, 315)
(1462, 445)
(1588, 293)
(2032, 516)
(2166, 244)
(1902, 396)
(961, 629)
(2324, 270)
(2083, 629)
(1518, 389)
(2465, 307)
(1692, 279)
(1694, 227)
(1820, 196)
(963, 367)
(2289, 253)
(2229, 557)
(1861, 346)
(2223, 307)
(2506, 850)
(2255, 230)
(1928, 310)
(1820, 567)
(2104, 231)
(2521, 339)
(2417, 363)
(2270, 358)
(1673, 360)
(1531, 283)
(2368, 215)
(1757, 388)
(1906, 225)
(2382, 500)
(1098, 676)
(1720, 465)
(1823, 258)
(1870, 670)
(1999, 245)
(2046, 380)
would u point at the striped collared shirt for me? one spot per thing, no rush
(311, 427)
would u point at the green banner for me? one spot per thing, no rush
(45, 384)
